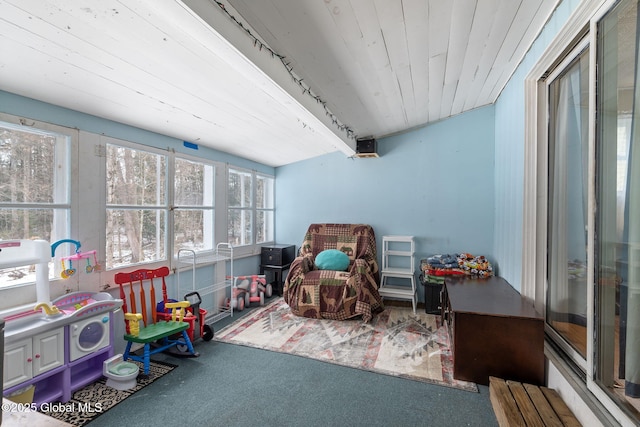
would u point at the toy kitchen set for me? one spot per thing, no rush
(53, 348)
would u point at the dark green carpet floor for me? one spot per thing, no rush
(231, 385)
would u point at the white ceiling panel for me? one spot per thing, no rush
(354, 68)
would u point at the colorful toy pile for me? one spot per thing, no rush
(436, 267)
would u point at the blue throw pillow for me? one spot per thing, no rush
(332, 259)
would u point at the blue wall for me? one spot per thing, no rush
(435, 183)
(509, 153)
(29, 108)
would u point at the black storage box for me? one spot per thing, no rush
(278, 255)
(432, 303)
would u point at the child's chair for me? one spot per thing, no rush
(153, 330)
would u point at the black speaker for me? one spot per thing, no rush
(366, 148)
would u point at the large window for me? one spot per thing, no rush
(34, 188)
(137, 209)
(142, 205)
(134, 205)
(265, 208)
(193, 205)
(250, 201)
(240, 204)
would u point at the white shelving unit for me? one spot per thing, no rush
(213, 295)
(398, 254)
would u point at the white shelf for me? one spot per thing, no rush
(397, 272)
(216, 294)
(190, 257)
(397, 291)
(406, 239)
(398, 263)
(398, 253)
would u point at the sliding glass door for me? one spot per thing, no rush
(566, 307)
(617, 369)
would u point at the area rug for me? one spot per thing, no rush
(95, 399)
(396, 342)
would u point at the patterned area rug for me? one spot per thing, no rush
(95, 399)
(396, 342)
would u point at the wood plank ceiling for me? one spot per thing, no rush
(351, 68)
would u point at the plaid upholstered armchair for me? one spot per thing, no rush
(315, 289)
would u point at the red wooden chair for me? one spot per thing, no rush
(152, 330)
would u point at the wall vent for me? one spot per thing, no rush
(366, 148)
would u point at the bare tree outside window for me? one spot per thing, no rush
(193, 205)
(265, 209)
(250, 198)
(34, 195)
(136, 206)
(240, 202)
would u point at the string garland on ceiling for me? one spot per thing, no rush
(306, 90)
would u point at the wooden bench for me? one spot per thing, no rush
(518, 404)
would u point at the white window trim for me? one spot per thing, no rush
(219, 193)
(103, 203)
(253, 248)
(587, 13)
(271, 209)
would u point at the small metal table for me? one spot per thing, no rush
(277, 270)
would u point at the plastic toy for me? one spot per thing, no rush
(134, 323)
(197, 327)
(200, 329)
(248, 289)
(77, 256)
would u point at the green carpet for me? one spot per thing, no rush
(234, 385)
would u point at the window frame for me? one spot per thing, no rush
(252, 248)
(165, 207)
(569, 58)
(271, 209)
(215, 188)
(251, 208)
(23, 293)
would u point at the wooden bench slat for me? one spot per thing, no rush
(545, 410)
(504, 405)
(527, 408)
(518, 404)
(561, 408)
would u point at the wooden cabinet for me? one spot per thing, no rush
(33, 356)
(493, 331)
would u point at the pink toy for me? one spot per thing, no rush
(248, 289)
(77, 256)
